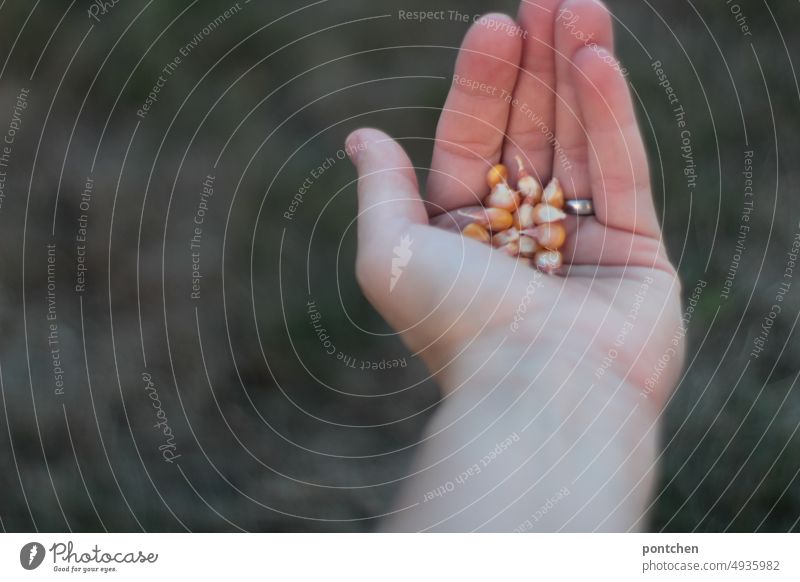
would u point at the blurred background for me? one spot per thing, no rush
(184, 346)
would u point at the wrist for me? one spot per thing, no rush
(557, 427)
(512, 360)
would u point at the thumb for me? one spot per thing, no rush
(388, 204)
(388, 192)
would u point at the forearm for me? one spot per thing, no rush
(535, 451)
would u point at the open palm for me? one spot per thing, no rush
(547, 88)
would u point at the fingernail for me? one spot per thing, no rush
(354, 145)
(603, 52)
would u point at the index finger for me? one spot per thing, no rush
(471, 130)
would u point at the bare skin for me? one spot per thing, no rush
(559, 368)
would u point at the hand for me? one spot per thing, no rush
(455, 292)
(548, 89)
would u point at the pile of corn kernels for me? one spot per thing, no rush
(525, 222)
